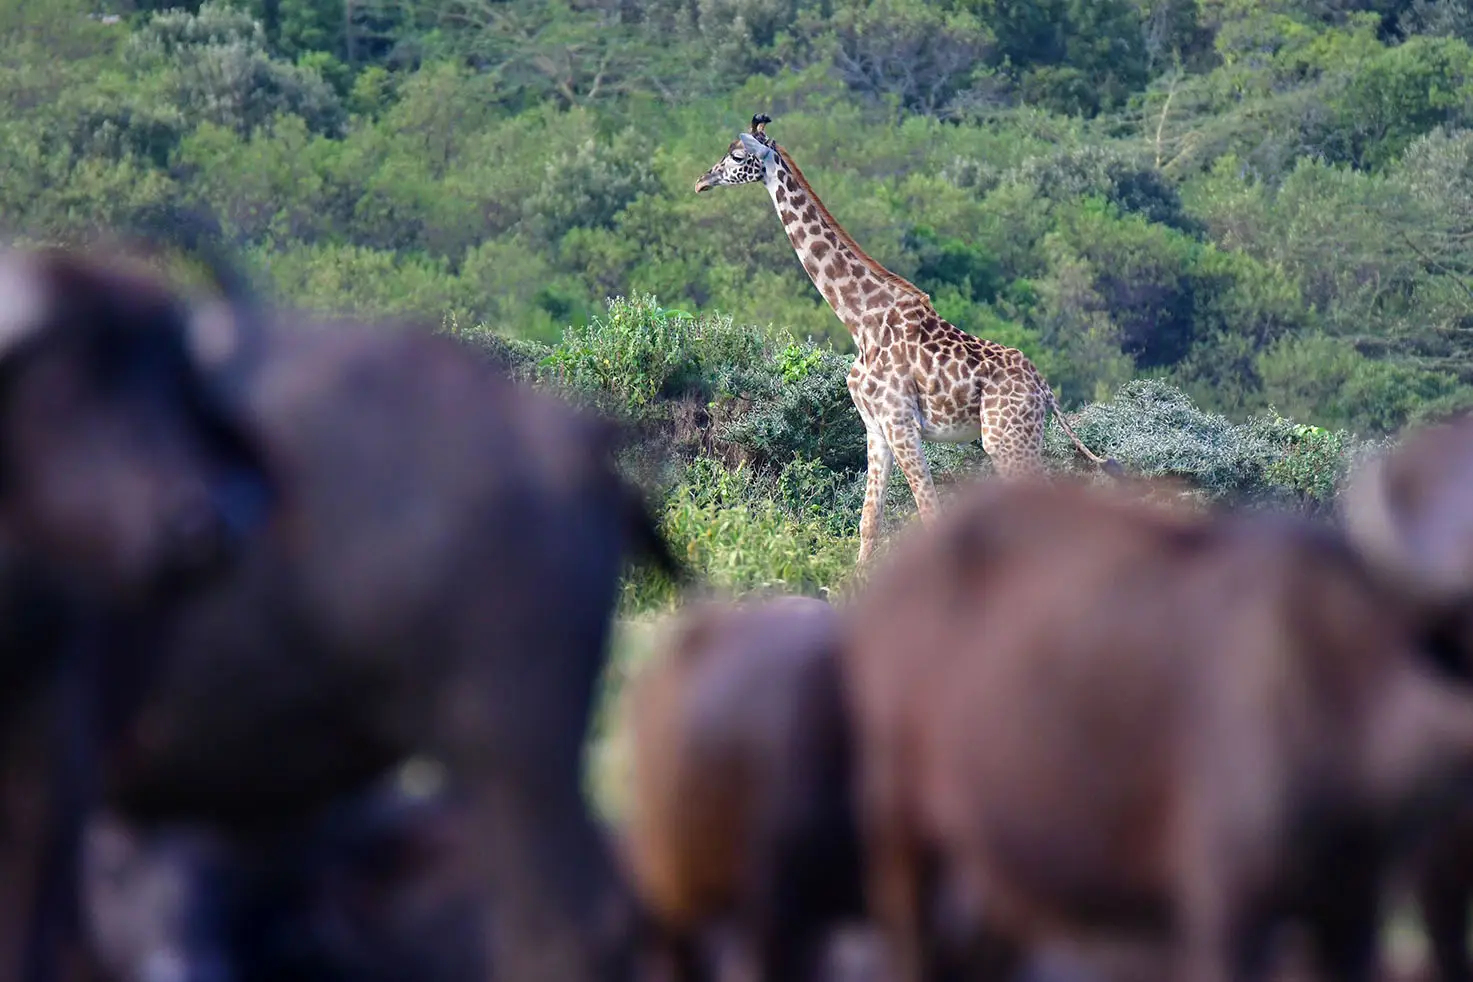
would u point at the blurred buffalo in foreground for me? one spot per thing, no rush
(1086, 717)
(740, 812)
(439, 579)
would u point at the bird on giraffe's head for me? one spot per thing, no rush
(751, 157)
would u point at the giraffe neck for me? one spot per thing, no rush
(856, 287)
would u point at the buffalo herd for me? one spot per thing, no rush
(303, 623)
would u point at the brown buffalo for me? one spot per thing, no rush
(1411, 512)
(740, 810)
(1083, 717)
(440, 579)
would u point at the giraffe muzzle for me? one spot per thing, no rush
(706, 182)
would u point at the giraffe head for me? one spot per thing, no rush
(751, 157)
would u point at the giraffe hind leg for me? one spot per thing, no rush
(877, 480)
(905, 443)
(1015, 446)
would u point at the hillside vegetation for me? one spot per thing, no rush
(1202, 218)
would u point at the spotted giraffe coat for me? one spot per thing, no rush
(916, 377)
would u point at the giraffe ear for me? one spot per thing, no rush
(756, 147)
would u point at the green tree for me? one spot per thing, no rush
(1072, 55)
(215, 67)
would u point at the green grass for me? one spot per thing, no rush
(607, 762)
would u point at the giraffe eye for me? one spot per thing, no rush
(739, 155)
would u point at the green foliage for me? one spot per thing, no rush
(1129, 184)
(801, 411)
(1263, 202)
(1325, 380)
(920, 55)
(1396, 96)
(639, 351)
(818, 494)
(1073, 55)
(589, 185)
(795, 363)
(952, 262)
(1314, 461)
(215, 68)
(369, 283)
(1153, 429)
(518, 357)
(741, 541)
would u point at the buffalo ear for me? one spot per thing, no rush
(25, 302)
(1410, 514)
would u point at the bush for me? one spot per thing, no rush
(518, 357)
(815, 493)
(741, 541)
(1154, 430)
(1313, 461)
(1325, 380)
(368, 283)
(801, 410)
(1093, 171)
(639, 351)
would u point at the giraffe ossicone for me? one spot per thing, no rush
(916, 377)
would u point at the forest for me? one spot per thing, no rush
(1235, 235)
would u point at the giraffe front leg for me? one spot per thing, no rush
(904, 438)
(877, 479)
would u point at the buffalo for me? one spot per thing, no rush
(740, 813)
(1081, 716)
(438, 579)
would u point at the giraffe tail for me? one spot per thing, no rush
(1107, 464)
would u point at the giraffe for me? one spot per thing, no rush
(916, 377)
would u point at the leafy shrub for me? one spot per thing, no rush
(639, 351)
(1313, 461)
(813, 492)
(741, 541)
(1153, 429)
(518, 357)
(801, 410)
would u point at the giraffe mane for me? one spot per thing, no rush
(878, 268)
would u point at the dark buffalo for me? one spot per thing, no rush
(1082, 716)
(375, 890)
(440, 579)
(125, 485)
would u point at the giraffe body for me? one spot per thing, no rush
(917, 377)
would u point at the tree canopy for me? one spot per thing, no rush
(1265, 203)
